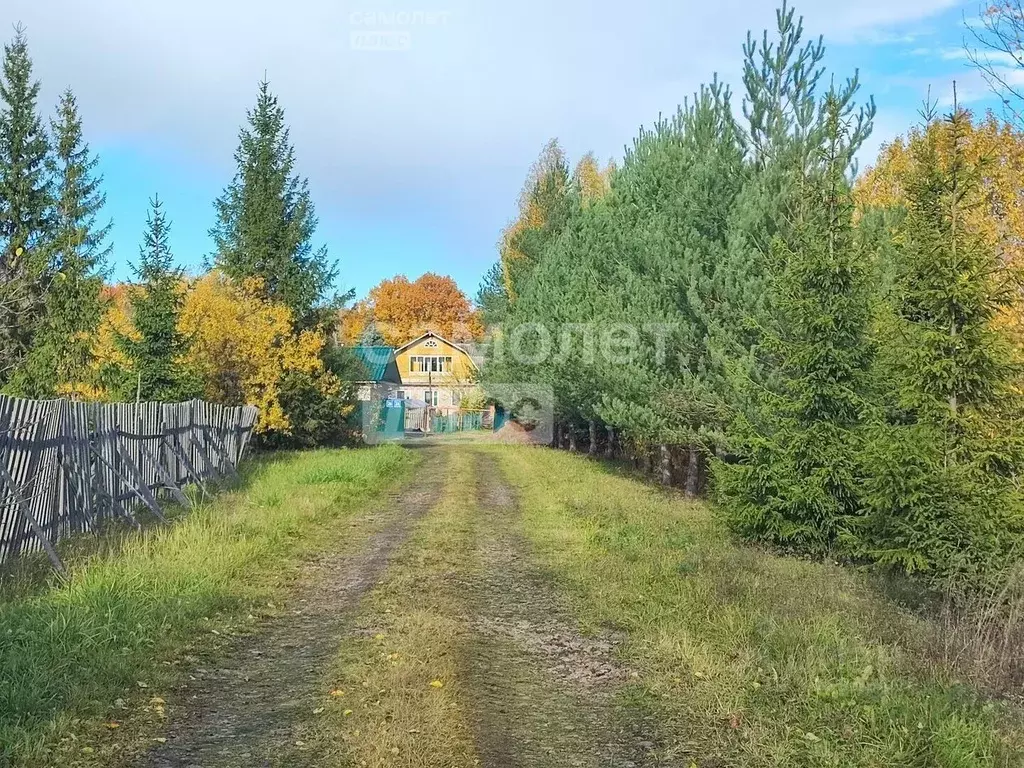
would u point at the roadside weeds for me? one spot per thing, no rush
(88, 666)
(746, 658)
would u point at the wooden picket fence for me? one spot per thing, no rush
(67, 467)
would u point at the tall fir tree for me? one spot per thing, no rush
(265, 217)
(785, 124)
(25, 206)
(944, 455)
(792, 478)
(157, 353)
(60, 357)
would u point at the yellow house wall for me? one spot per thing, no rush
(463, 371)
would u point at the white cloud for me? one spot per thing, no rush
(876, 20)
(994, 58)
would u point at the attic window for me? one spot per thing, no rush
(432, 344)
(430, 364)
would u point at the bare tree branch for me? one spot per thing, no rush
(998, 53)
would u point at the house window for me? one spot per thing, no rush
(400, 394)
(430, 364)
(430, 396)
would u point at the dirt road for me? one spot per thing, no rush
(534, 690)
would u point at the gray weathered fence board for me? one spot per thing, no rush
(71, 466)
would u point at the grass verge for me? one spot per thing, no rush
(747, 658)
(394, 697)
(92, 653)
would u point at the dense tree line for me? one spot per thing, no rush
(729, 305)
(64, 332)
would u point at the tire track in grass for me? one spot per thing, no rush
(394, 696)
(540, 693)
(244, 709)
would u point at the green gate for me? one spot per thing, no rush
(461, 421)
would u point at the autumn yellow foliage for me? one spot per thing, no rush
(592, 181)
(242, 345)
(403, 309)
(997, 213)
(241, 348)
(109, 366)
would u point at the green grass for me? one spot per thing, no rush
(747, 658)
(112, 636)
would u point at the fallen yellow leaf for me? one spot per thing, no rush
(437, 684)
(347, 712)
(337, 692)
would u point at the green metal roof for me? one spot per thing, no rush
(379, 363)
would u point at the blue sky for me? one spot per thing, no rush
(416, 156)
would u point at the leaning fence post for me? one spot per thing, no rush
(135, 491)
(169, 482)
(186, 462)
(23, 508)
(218, 446)
(140, 487)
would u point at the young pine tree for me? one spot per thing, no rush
(265, 217)
(62, 350)
(491, 297)
(793, 479)
(784, 133)
(157, 354)
(25, 204)
(942, 461)
(674, 197)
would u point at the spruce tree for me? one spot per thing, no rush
(62, 349)
(265, 217)
(25, 204)
(943, 458)
(792, 479)
(156, 355)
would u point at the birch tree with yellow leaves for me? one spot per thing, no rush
(246, 349)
